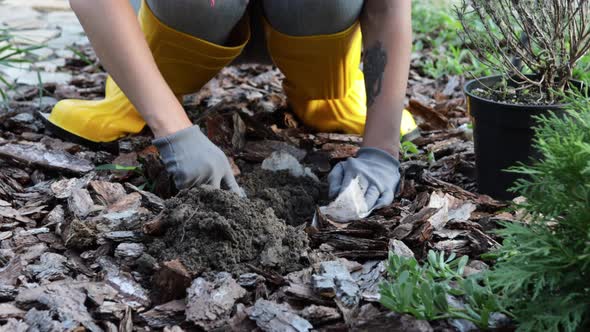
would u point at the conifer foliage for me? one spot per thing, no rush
(542, 273)
(543, 270)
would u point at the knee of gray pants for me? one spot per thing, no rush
(312, 17)
(135, 4)
(198, 18)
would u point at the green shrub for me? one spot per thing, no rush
(543, 269)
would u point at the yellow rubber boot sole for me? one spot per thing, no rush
(186, 63)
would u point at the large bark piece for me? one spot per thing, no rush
(9, 310)
(63, 189)
(51, 267)
(63, 300)
(109, 192)
(167, 314)
(80, 203)
(334, 280)
(132, 292)
(432, 118)
(33, 154)
(318, 315)
(209, 304)
(42, 321)
(171, 281)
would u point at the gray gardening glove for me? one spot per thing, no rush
(192, 159)
(378, 173)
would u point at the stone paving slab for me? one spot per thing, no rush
(49, 23)
(43, 5)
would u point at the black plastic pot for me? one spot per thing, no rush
(503, 137)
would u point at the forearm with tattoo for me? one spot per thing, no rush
(374, 62)
(387, 37)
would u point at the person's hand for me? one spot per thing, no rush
(192, 159)
(378, 174)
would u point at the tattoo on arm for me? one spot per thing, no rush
(374, 62)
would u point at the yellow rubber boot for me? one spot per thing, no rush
(408, 128)
(324, 84)
(186, 63)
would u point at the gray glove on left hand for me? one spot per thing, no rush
(378, 173)
(192, 159)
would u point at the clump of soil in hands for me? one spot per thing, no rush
(293, 199)
(215, 230)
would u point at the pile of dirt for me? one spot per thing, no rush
(293, 199)
(215, 230)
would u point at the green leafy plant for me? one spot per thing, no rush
(582, 69)
(435, 35)
(409, 149)
(456, 60)
(431, 158)
(543, 267)
(423, 290)
(83, 57)
(434, 24)
(122, 168)
(11, 55)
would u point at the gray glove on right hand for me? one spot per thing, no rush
(378, 174)
(192, 159)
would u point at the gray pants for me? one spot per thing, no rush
(292, 17)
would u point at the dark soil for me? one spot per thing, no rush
(214, 230)
(293, 199)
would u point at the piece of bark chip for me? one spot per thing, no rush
(110, 192)
(9, 310)
(319, 315)
(80, 203)
(210, 303)
(335, 279)
(171, 281)
(51, 267)
(133, 294)
(167, 314)
(36, 154)
(274, 317)
(64, 300)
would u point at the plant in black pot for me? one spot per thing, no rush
(534, 46)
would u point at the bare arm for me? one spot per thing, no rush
(115, 34)
(387, 38)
